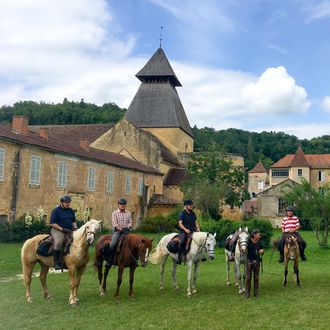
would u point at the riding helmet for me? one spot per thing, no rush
(188, 202)
(122, 201)
(289, 208)
(65, 199)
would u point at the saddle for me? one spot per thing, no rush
(46, 246)
(105, 249)
(173, 244)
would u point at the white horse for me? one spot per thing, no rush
(202, 243)
(76, 260)
(240, 259)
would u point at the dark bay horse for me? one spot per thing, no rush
(134, 248)
(291, 252)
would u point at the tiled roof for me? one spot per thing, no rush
(313, 160)
(283, 162)
(250, 206)
(175, 176)
(56, 144)
(259, 168)
(299, 159)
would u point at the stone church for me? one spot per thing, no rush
(141, 158)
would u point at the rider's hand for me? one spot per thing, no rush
(119, 228)
(187, 231)
(66, 231)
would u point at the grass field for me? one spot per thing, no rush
(215, 306)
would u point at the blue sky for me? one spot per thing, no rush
(249, 64)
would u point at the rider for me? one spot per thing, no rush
(121, 224)
(62, 221)
(188, 224)
(254, 252)
(290, 224)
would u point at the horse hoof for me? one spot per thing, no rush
(29, 300)
(243, 290)
(49, 297)
(132, 297)
(228, 283)
(240, 291)
(74, 305)
(189, 295)
(194, 291)
(161, 288)
(77, 300)
(176, 288)
(236, 284)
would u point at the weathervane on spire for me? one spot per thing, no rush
(161, 37)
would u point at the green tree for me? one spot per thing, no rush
(314, 206)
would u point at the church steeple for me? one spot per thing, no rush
(157, 103)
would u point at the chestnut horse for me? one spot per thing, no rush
(76, 260)
(134, 247)
(291, 252)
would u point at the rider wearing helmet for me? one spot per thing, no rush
(291, 224)
(121, 224)
(62, 221)
(188, 224)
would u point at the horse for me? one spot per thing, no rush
(134, 248)
(202, 243)
(76, 260)
(240, 259)
(291, 252)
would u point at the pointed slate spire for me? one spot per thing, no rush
(299, 159)
(157, 103)
(158, 67)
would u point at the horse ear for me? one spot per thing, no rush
(247, 229)
(240, 229)
(100, 221)
(215, 234)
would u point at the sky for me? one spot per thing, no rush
(257, 65)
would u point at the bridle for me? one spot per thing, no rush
(243, 243)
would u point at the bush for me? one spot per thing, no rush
(265, 227)
(159, 223)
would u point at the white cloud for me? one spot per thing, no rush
(326, 104)
(317, 10)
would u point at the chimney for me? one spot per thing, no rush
(43, 132)
(20, 124)
(84, 144)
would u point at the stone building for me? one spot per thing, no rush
(290, 170)
(258, 179)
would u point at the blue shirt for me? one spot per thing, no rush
(63, 217)
(188, 219)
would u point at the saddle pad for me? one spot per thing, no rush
(46, 246)
(173, 244)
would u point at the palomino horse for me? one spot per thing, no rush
(201, 243)
(291, 252)
(134, 247)
(240, 259)
(76, 260)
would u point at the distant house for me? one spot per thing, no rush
(288, 171)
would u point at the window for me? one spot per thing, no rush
(35, 165)
(261, 185)
(62, 174)
(91, 179)
(2, 164)
(110, 181)
(128, 184)
(140, 189)
(299, 172)
(282, 204)
(280, 173)
(3, 218)
(321, 176)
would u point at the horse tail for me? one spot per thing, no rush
(156, 257)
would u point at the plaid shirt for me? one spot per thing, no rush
(121, 218)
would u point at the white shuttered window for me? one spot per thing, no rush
(140, 188)
(128, 184)
(91, 179)
(62, 174)
(35, 165)
(2, 164)
(110, 182)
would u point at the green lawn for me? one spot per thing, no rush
(216, 306)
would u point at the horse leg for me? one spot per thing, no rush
(131, 280)
(119, 280)
(235, 274)
(162, 268)
(296, 271)
(244, 278)
(27, 275)
(79, 273)
(194, 290)
(239, 277)
(285, 273)
(189, 265)
(72, 276)
(103, 289)
(43, 276)
(174, 280)
(227, 268)
(99, 265)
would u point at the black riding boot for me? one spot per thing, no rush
(256, 286)
(302, 253)
(57, 259)
(180, 252)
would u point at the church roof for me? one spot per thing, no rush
(259, 168)
(158, 67)
(158, 105)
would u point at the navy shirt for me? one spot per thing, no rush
(253, 250)
(188, 220)
(63, 217)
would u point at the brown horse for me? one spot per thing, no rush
(76, 260)
(291, 252)
(134, 247)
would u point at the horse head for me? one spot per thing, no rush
(292, 245)
(210, 244)
(243, 239)
(145, 246)
(91, 228)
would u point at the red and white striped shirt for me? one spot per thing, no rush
(290, 223)
(121, 218)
